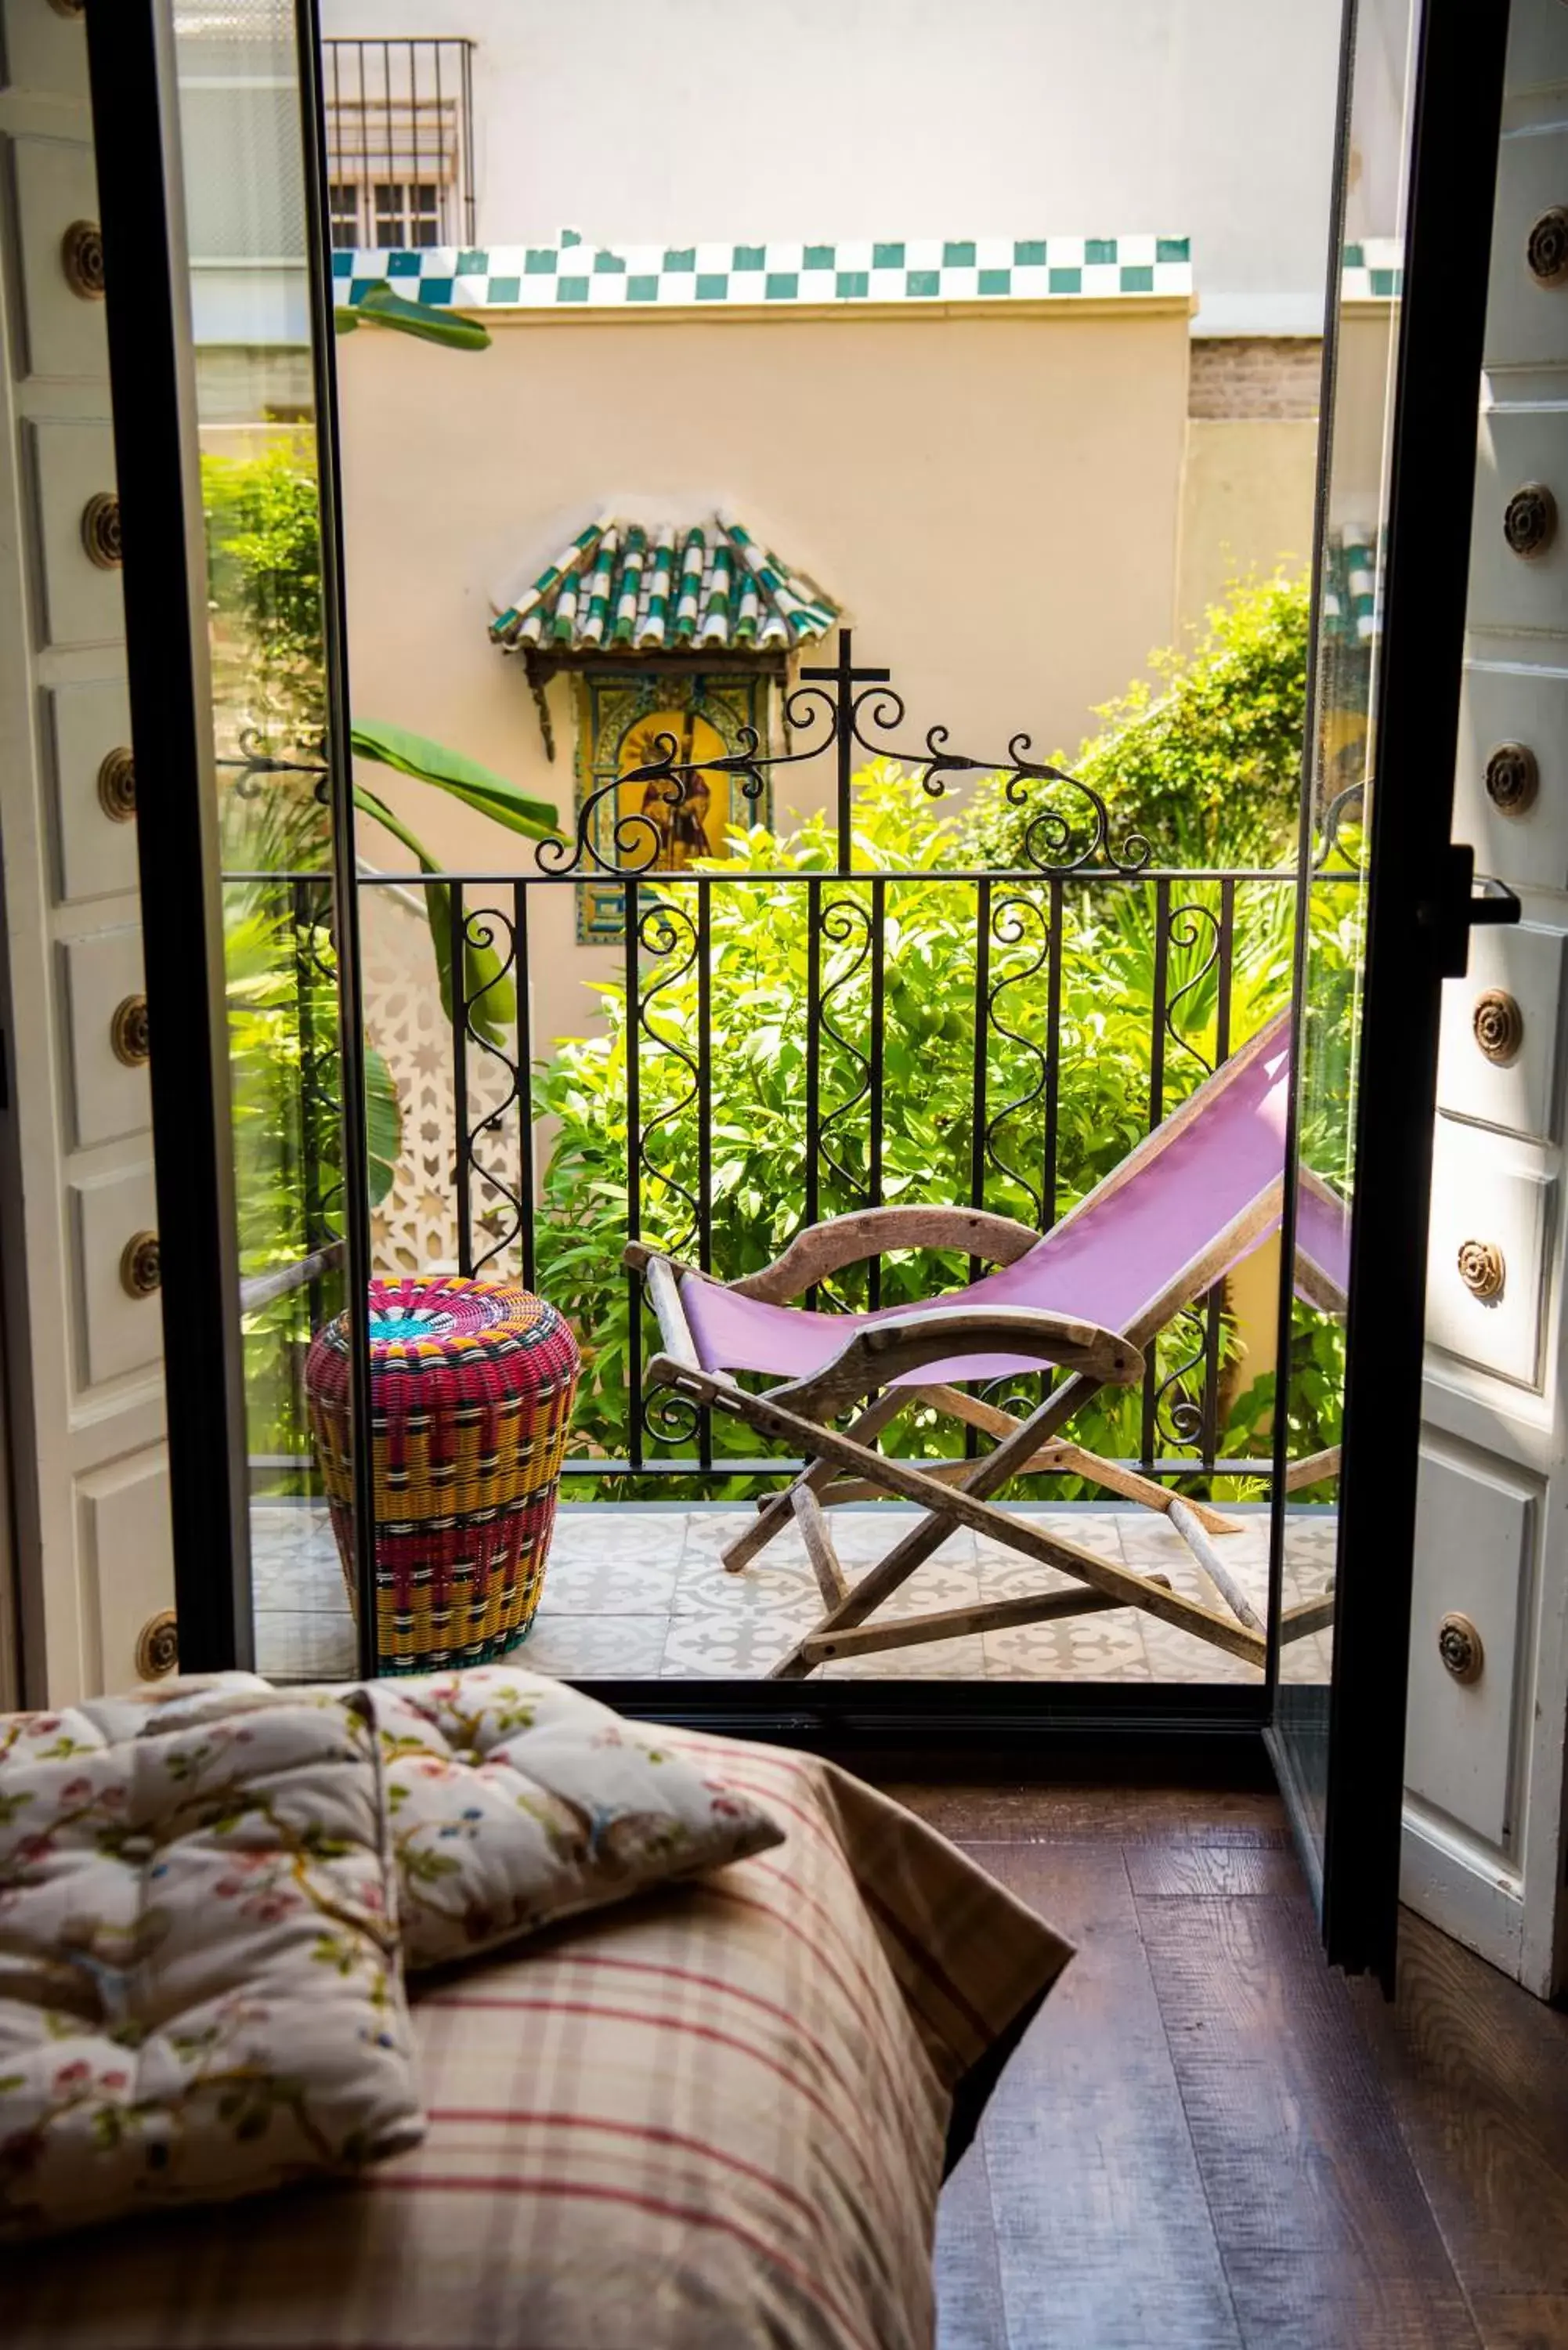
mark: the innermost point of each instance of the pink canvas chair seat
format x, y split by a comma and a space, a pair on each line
1107, 1263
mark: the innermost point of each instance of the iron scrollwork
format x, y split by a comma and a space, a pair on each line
666, 931
1021, 923
843, 710
1194, 928
1178, 1414
488, 930
846, 924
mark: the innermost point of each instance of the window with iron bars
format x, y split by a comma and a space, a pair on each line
399, 141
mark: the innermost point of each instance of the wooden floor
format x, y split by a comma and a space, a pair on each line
1207, 2141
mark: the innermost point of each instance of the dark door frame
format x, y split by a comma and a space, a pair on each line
1419, 909
151, 357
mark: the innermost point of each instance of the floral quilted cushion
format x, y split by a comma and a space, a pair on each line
515, 1800
200, 1993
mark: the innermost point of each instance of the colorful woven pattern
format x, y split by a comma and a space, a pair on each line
473, 1384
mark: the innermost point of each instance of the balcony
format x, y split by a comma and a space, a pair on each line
889, 1004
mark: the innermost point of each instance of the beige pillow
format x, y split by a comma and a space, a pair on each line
515, 1800
200, 1993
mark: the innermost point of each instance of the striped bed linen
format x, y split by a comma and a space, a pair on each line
712, 2118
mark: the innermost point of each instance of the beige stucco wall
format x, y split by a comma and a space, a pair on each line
1250, 483
1247, 501
1362, 396
997, 502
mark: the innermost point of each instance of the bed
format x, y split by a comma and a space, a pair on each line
715, 2118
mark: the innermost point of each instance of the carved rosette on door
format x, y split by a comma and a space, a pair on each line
116, 785
1546, 247
127, 1033
141, 1269
1498, 1025
1482, 1270
1529, 520
81, 259
101, 531
158, 1646
1512, 778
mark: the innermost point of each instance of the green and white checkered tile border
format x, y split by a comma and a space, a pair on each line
668, 277
1374, 270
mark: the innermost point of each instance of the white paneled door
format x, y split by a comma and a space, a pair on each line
1484, 1840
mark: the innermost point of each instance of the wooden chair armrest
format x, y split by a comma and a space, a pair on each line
826, 1248
883, 1351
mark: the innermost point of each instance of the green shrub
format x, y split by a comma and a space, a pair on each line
1204, 763
263, 573
759, 962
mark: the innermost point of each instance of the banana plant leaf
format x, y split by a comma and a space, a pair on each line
381, 307
478, 788
488, 993
383, 1126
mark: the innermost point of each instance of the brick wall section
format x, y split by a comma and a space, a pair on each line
1269, 376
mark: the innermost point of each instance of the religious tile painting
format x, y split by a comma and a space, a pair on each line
627, 721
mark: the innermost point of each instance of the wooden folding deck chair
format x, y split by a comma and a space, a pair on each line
1197, 1196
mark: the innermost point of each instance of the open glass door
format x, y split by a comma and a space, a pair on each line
220, 331
1384, 909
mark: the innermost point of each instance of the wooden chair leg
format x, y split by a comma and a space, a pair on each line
946, 1506
965, 1504
1184, 1518
1311, 1615
1312, 1470
1074, 1460
776, 1515
830, 1576
953, 1623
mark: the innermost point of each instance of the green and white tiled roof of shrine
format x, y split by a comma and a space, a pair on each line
908, 272
675, 587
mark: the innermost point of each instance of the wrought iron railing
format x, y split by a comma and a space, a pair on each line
1205, 934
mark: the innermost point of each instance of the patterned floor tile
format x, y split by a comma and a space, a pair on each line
1310, 1660
1095, 1530
582, 1581
707, 1592
624, 1536
1030, 1652
1176, 1656
940, 1582
1149, 1540
961, 1659
731, 1648
294, 1558
1006, 1575
1107, 1647
864, 1536
298, 1647
708, 1532
639, 1593
594, 1648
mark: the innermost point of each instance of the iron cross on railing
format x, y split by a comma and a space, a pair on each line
844, 676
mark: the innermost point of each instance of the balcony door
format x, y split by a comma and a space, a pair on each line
249, 877
1385, 908
214, 201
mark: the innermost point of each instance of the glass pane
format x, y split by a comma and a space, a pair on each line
240, 124
1335, 835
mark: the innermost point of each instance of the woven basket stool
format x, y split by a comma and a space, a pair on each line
471, 1388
